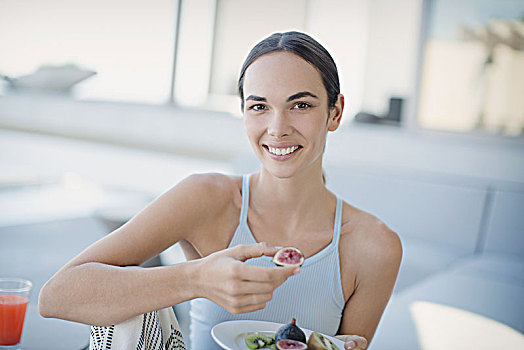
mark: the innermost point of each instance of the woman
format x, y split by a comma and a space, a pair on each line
290, 98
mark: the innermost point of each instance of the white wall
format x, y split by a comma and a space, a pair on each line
342, 27
391, 59
374, 44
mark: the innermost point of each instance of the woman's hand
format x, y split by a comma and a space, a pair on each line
353, 342
224, 278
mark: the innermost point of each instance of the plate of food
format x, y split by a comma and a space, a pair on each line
246, 335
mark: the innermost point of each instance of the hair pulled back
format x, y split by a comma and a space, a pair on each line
301, 45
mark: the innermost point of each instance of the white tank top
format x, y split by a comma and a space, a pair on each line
314, 297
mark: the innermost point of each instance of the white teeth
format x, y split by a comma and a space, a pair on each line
282, 151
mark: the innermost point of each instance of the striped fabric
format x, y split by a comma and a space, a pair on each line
157, 330
314, 297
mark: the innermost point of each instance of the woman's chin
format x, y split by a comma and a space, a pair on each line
280, 172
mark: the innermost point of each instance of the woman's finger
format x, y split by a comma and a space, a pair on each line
246, 288
248, 308
243, 252
275, 274
244, 303
253, 299
353, 342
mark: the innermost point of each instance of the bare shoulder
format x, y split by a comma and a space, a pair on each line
370, 256
194, 203
208, 188
367, 238
211, 181
210, 205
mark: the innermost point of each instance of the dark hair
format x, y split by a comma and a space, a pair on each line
301, 45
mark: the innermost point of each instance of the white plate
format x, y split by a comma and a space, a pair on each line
230, 334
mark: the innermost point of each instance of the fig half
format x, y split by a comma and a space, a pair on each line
317, 341
286, 344
288, 256
290, 331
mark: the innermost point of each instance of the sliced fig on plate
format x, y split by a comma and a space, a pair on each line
317, 341
290, 331
288, 256
286, 344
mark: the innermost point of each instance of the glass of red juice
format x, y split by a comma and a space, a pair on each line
14, 296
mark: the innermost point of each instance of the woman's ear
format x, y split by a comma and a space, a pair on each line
335, 113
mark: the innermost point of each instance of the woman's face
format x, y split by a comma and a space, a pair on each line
286, 113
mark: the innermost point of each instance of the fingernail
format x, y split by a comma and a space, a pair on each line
278, 247
350, 345
296, 271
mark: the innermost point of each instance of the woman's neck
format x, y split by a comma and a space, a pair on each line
291, 201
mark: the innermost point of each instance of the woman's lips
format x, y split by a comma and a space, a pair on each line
282, 153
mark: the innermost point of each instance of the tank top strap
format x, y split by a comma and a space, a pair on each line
245, 199
338, 221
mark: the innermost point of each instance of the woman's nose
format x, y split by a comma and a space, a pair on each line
279, 125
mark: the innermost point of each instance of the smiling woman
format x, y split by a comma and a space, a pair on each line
279, 118
230, 226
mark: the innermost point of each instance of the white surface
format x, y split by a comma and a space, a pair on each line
444, 327
230, 335
104, 164
414, 207
505, 233
500, 300
507, 268
64, 201
45, 178
421, 259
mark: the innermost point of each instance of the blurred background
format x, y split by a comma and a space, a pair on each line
106, 104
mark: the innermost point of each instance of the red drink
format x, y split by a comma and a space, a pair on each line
12, 314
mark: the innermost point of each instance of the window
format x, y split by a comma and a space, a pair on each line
129, 44
239, 26
209, 59
473, 66
463, 84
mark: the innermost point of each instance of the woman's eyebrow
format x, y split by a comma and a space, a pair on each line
290, 98
256, 98
300, 95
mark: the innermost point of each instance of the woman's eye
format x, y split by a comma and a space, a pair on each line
301, 105
257, 107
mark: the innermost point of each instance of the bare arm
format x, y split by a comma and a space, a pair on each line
97, 288
377, 255
103, 295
